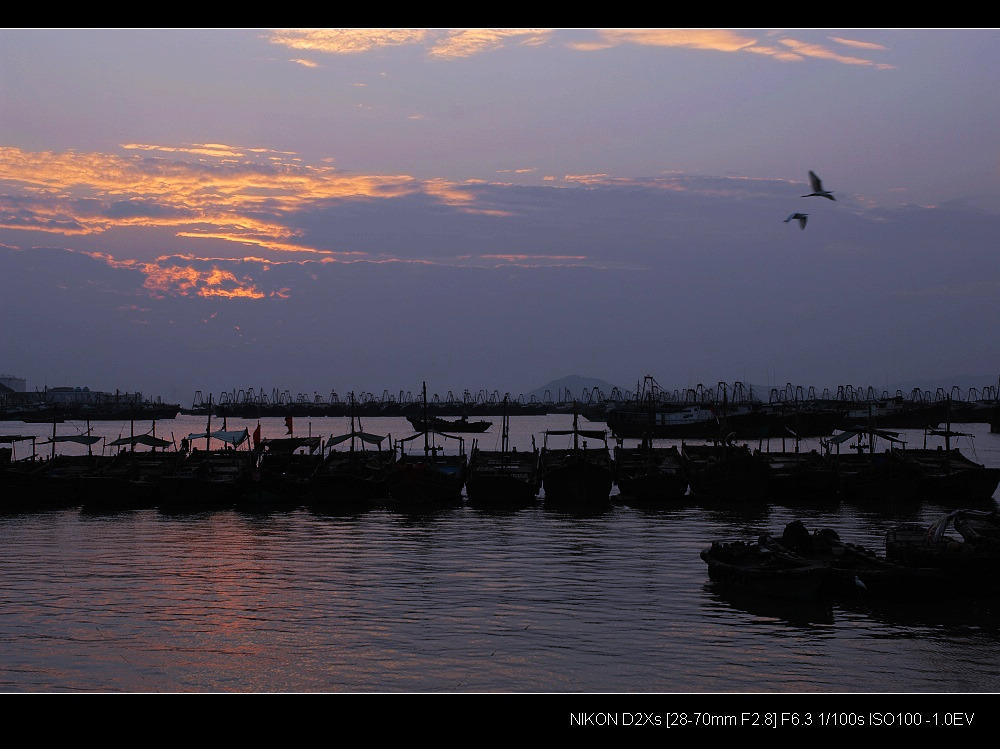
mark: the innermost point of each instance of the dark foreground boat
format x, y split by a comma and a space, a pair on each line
579, 475
855, 572
964, 544
764, 571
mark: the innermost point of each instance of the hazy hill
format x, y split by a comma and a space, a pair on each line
570, 387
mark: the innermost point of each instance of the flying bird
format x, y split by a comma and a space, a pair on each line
817, 185
800, 217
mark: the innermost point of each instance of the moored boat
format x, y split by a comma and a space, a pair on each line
209, 477
855, 571
873, 477
726, 471
964, 544
354, 474
436, 424
764, 571
433, 477
505, 477
281, 471
800, 477
950, 478
130, 479
578, 475
649, 473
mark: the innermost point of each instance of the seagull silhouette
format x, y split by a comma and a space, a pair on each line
817, 186
800, 217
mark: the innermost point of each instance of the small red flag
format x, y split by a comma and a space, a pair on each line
256, 436
288, 424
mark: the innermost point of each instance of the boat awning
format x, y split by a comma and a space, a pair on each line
372, 439
431, 431
946, 433
80, 439
141, 439
838, 439
14, 438
234, 438
288, 445
593, 434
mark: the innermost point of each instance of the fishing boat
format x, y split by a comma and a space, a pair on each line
800, 477
209, 477
437, 424
282, 469
579, 475
432, 476
504, 477
947, 476
131, 478
856, 571
649, 473
764, 571
727, 471
354, 474
870, 476
964, 544
52, 482
652, 415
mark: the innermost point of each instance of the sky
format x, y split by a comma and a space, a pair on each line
325, 211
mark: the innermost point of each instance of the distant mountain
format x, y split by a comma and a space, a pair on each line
571, 387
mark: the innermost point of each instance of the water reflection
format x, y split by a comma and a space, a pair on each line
777, 610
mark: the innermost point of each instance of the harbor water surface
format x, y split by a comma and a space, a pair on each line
528, 600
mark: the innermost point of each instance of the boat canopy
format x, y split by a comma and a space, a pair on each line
372, 439
839, 439
593, 434
288, 445
14, 438
80, 439
946, 433
140, 439
431, 431
234, 438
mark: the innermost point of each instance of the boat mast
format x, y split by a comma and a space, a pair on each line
353, 410
427, 446
505, 429
208, 429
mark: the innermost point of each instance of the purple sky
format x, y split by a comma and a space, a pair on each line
367, 209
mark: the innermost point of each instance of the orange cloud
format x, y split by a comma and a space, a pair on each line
346, 41
440, 43
447, 44
818, 51
728, 40
468, 42
225, 194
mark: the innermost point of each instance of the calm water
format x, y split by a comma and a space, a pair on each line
461, 600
